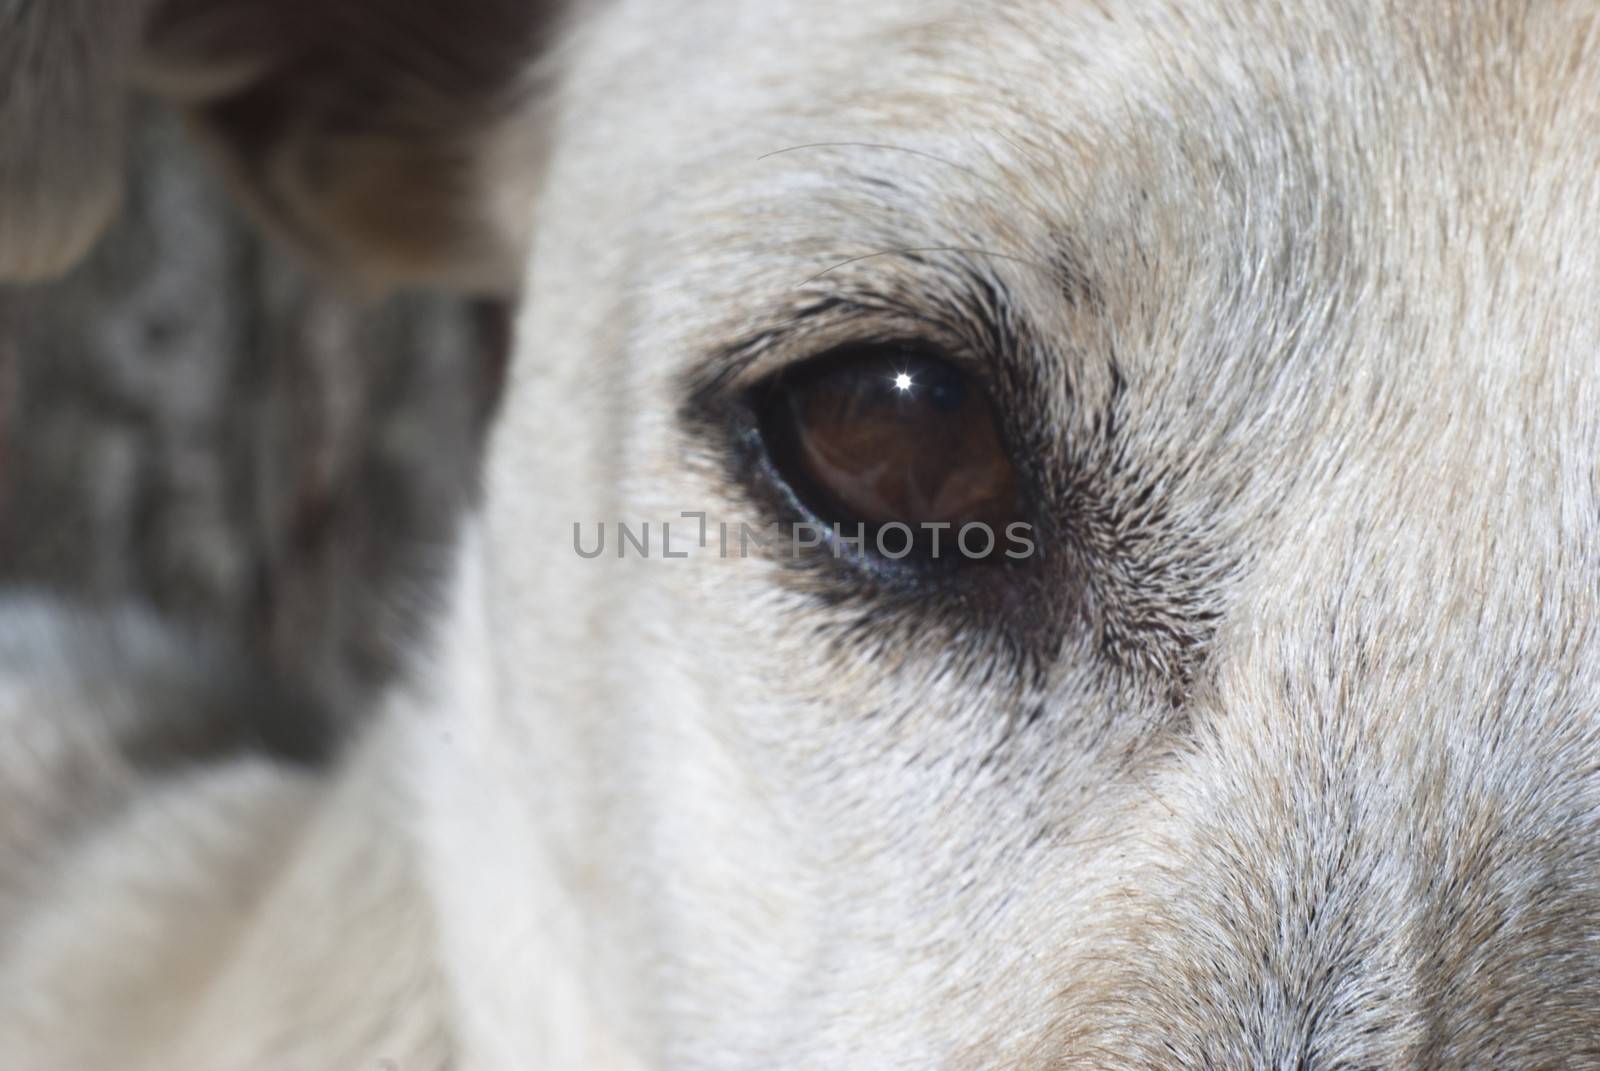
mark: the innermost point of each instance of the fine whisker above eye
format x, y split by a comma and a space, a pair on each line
913, 251
883, 147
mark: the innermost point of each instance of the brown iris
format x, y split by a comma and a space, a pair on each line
876, 435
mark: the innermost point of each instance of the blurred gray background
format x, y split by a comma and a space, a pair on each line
192, 420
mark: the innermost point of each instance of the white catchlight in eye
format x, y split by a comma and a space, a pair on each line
902, 382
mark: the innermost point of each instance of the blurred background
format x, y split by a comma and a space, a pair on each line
192, 420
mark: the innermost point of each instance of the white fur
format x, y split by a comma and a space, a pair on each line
648, 814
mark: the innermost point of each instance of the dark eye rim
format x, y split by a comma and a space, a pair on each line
790, 497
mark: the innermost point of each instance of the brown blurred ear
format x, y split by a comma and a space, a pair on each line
386, 139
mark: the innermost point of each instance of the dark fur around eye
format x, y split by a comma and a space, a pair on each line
1112, 569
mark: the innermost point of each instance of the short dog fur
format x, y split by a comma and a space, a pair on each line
1283, 753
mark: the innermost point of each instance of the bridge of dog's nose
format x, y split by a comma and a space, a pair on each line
1353, 869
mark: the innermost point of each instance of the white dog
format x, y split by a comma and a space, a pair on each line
1263, 337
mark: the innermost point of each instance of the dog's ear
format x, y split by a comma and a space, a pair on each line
372, 133
375, 135
64, 69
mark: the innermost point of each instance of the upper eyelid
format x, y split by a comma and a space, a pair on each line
814, 328
962, 322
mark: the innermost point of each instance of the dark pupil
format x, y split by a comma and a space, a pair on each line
888, 434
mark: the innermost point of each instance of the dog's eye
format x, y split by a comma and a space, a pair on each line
880, 435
